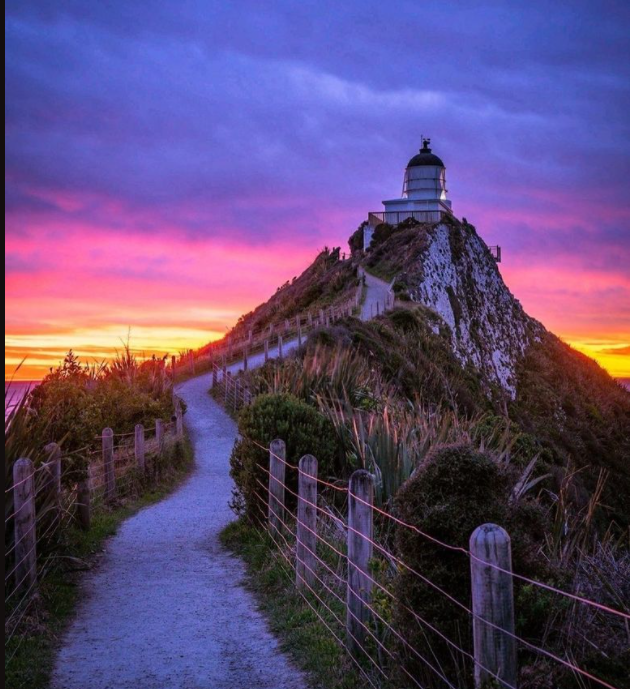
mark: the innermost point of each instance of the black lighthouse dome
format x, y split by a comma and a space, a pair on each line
425, 157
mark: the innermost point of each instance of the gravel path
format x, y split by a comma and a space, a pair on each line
166, 606
378, 292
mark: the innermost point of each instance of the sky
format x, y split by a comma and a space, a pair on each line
169, 164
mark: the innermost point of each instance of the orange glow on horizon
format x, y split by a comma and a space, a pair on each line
173, 293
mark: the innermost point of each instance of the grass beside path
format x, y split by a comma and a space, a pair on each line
30, 654
302, 635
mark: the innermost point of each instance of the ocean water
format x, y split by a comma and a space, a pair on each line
15, 391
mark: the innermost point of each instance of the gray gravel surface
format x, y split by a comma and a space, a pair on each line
166, 606
378, 291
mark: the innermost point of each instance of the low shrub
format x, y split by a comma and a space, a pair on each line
456, 490
303, 429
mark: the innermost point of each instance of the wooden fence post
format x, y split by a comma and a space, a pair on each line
266, 351
359, 591
306, 562
179, 421
279, 346
493, 606
24, 524
277, 458
53, 477
245, 359
83, 504
139, 447
159, 435
299, 335
108, 464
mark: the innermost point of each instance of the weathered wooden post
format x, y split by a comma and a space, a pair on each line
52, 477
306, 560
266, 345
245, 359
179, 420
359, 591
378, 308
108, 464
277, 458
83, 504
287, 325
24, 524
139, 450
299, 335
493, 606
310, 319
159, 435
279, 346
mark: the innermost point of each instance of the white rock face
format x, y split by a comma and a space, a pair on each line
462, 284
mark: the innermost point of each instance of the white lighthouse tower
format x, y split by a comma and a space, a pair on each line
424, 196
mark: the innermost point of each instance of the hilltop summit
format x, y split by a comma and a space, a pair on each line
449, 269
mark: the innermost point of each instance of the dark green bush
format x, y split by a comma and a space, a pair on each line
303, 429
455, 491
355, 242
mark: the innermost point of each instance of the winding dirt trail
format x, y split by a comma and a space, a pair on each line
167, 607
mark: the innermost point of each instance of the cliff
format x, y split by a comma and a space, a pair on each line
449, 269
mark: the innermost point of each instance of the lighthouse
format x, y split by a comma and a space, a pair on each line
424, 194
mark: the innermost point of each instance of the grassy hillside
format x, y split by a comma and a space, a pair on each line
466, 411
327, 281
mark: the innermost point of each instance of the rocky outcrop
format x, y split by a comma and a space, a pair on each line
456, 276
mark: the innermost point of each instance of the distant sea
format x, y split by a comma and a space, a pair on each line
15, 391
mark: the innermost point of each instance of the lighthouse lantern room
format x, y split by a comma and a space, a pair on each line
424, 195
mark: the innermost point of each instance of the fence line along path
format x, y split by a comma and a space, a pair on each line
166, 606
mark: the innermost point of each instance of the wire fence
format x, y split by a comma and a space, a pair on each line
346, 569
272, 337
66, 490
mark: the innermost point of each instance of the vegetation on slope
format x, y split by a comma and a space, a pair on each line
402, 406
327, 281
446, 471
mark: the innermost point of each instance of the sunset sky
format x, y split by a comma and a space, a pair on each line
169, 164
